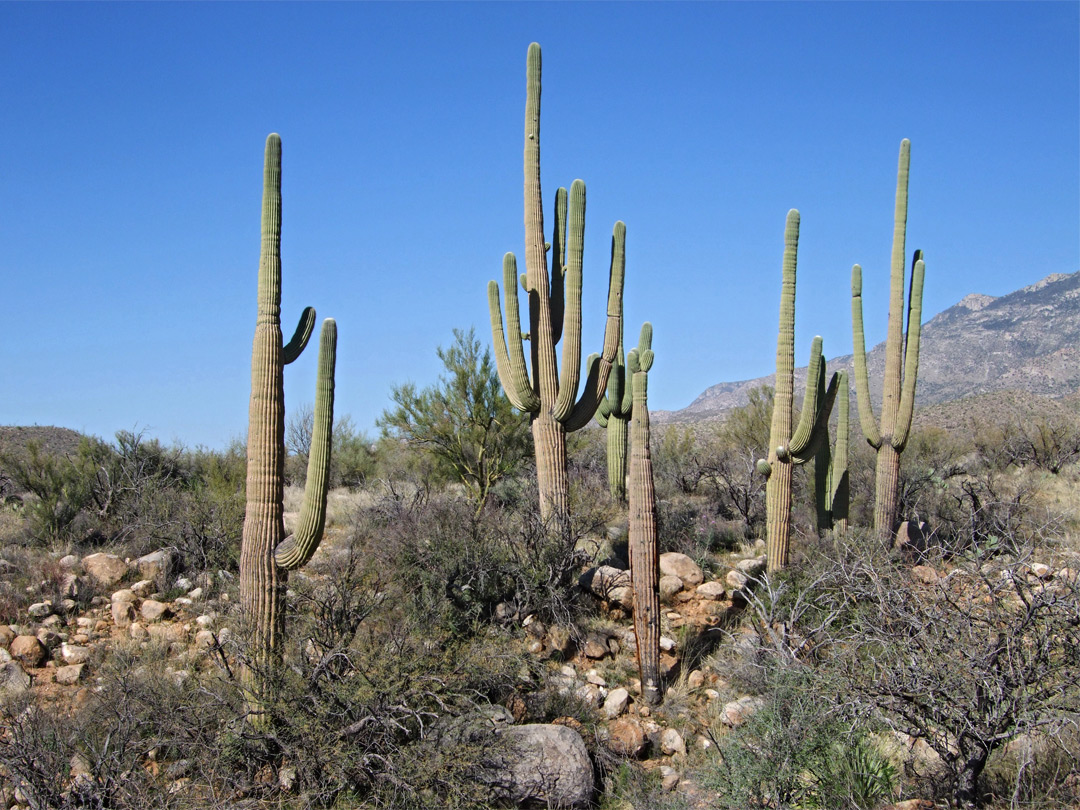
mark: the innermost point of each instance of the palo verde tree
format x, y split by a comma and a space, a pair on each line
550, 394
266, 554
901, 361
787, 449
464, 420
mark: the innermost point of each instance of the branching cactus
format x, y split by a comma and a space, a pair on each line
614, 414
550, 395
644, 538
901, 361
787, 449
831, 485
266, 554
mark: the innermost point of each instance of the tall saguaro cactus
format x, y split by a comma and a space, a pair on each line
831, 485
614, 414
550, 395
266, 554
901, 361
787, 449
644, 537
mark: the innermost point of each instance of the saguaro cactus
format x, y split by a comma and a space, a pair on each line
901, 361
266, 554
786, 448
644, 540
549, 395
831, 485
614, 414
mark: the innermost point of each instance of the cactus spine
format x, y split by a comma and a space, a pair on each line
266, 554
614, 414
785, 448
644, 539
548, 395
832, 489
901, 361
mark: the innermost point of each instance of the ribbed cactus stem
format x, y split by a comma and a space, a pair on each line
262, 580
614, 414
785, 447
901, 360
539, 389
644, 537
831, 465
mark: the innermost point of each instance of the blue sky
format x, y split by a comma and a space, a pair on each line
131, 151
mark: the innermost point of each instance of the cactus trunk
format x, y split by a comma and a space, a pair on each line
644, 538
549, 443
617, 436
262, 578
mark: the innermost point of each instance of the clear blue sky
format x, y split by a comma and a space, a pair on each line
131, 144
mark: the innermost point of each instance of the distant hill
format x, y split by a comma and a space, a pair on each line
1028, 340
53, 440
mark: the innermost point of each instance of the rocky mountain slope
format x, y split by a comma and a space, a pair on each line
1028, 340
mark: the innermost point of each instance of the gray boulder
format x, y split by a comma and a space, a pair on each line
545, 765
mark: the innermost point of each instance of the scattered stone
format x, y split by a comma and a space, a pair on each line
154, 611
595, 647
625, 737
74, 654
50, 638
696, 679
712, 694
559, 640
603, 579
925, 574
681, 566
616, 702
204, 639
205, 621
29, 651
69, 561
138, 632
157, 565
183, 601
166, 632
71, 674
752, 566
195, 594
142, 588
737, 712
711, 590
595, 678
671, 743
184, 584
669, 586
667, 644
736, 580
106, 569
669, 778
40, 610
7, 635
536, 646
123, 613
1041, 570
73, 586
13, 679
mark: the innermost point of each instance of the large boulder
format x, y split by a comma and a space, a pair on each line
29, 651
545, 765
157, 565
105, 569
679, 565
12, 679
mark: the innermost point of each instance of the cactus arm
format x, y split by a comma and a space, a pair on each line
299, 548
570, 374
862, 380
596, 383
808, 418
822, 467
820, 430
510, 362
299, 340
839, 485
911, 359
558, 270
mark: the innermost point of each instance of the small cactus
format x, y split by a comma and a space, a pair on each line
644, 538
786, 448
901, 361
266, 554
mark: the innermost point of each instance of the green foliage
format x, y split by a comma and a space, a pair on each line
464, 421
353, 460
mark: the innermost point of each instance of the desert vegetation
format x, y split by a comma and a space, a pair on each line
497, 603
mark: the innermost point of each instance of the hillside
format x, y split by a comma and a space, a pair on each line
1026, 340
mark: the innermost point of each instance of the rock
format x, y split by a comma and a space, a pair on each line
911, 804
142, 589
29, 651
602, 579
204, 639
616, 702
53, 622
541, 764
154, 611
737, 712
138, 632
911, 537
712, 590
184, 584
753, 567
1041, 570
74, 654
73, 586
559, 640
195, 594
625, 737
7, 635
596, 647
667, 644
206, 621
669, 586
40, 610
924, 574
595, 678
681, 566
736, 580
49, 638
123, 613
68, 561
166, 632
71, 674
13, 679
157, 565
105, 569
696, 679
671, 743
669, 778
